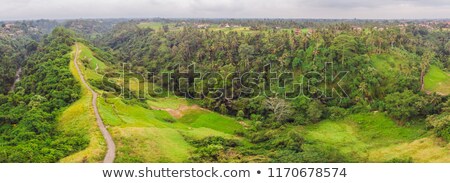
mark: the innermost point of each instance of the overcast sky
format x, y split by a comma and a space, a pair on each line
68, 9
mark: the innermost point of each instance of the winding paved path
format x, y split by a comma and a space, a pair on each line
111, 151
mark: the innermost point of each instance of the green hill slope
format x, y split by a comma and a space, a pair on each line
142, 131
373, 137
437, 80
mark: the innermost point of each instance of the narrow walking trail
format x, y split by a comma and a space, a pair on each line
111, 151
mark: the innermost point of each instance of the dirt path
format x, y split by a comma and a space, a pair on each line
111, 151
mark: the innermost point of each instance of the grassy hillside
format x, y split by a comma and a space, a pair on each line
373, 137
142, 131
437, 80
387, 63
92, 66
198, 118
146, 135
79, 118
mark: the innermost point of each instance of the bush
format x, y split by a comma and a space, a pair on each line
300, 119
293, 141
314, 111
322, 153
335, 113
440, 124
240, 115
214, 149
402, 106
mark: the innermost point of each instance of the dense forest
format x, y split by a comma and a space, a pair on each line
387, 66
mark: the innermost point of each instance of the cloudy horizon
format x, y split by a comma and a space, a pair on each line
329, 9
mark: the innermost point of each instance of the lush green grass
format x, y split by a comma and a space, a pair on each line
88, 55
427, 149
388, 63
437, 80
337, 134
374, 137
378, 130
150, 145
144, 135
130, 115
167, 102
391, 65
155, 131
90, 63
202, 132
79, 118
200, 118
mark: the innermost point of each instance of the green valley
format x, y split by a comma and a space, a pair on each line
225, 90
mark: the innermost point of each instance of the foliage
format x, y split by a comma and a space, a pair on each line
214, 149
47, 87
386, 68
440, 124
407, 105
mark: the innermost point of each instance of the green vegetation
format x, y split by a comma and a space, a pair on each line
385, 75
90, 61
13, 52
167, 103
391, 106
360, 134
28, 128
150, 144
437, 80
80, 118
199, 118
440, 123
158, 26
143, 134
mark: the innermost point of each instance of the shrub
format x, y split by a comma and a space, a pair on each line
440, 124
335, 113
240, 115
